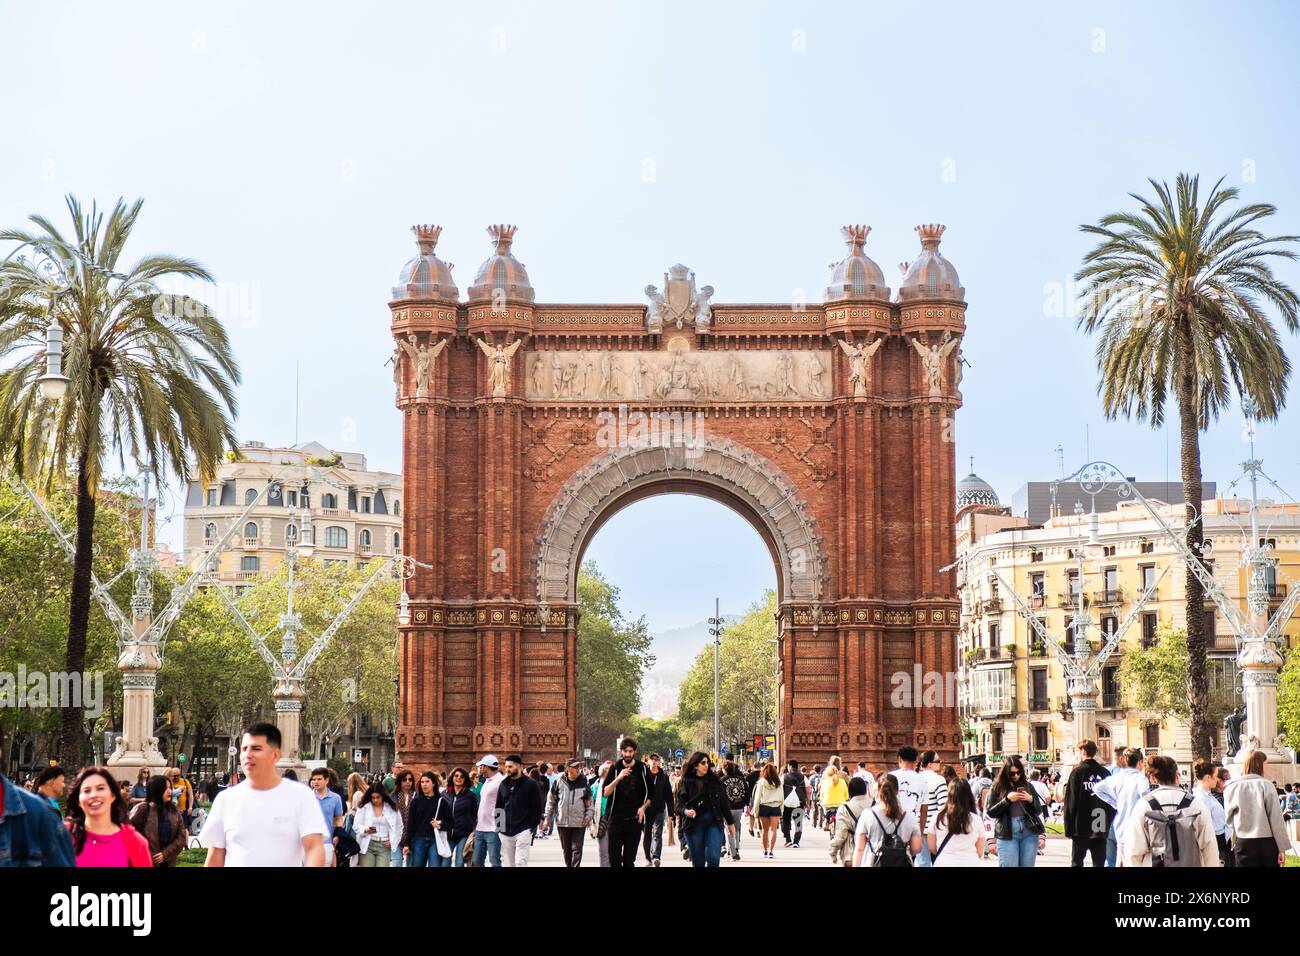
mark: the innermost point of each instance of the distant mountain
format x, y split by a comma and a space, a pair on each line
675, 651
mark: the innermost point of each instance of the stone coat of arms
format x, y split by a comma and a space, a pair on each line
680, 303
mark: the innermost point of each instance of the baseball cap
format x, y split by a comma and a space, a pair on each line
488, 761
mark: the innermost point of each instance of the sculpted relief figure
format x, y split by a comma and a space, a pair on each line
421, 357
932, 360
654, 315
703, 310
815, 372
499, 357
860, 364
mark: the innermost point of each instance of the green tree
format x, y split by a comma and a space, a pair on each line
152, 377
657, 736
1155, 678
1288, 699
613, 656
746, 680
1175, 291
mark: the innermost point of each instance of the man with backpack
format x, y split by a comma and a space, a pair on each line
1169, 828
792, 813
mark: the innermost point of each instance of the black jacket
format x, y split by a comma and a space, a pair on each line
1081, 817
793, 780
458, 813
661, 794
703, 796
638, 778
419, 818
1001, 811
519, 805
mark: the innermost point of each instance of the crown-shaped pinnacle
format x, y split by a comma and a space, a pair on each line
503, 235
930, 234
855, 236
426, 237
903, 267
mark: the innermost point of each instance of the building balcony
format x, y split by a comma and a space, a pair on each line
247, 575
1276, 593
1069, 600
1039, 704
250, 544
1112, 700
363, 549
1038, 601
327, 512
1003, 652
1109, 596
991, 605
1038, 649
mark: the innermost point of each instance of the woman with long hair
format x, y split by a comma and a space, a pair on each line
98, 822
378, 827
403, 793
159, 821
958, 835
846, 820
704, 809
458, 815
769, 796
357, 788
1019, 813
1254, 816
418, 843
887, 823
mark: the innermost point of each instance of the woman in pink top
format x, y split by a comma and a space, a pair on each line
97, 817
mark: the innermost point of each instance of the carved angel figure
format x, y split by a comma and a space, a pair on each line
703, 311
932, 359
499, 357
422, 357
859, 367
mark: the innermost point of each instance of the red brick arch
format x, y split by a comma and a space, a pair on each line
846, 468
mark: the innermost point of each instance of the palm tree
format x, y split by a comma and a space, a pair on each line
1176, 291
151, 375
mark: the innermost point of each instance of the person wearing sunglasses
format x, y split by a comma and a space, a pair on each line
1019, 813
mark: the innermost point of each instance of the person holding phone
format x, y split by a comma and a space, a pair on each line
1019, 812
378, 827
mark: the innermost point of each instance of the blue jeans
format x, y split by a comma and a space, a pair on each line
705, 840
923, 858
487, 846
399, 858
1112, 847
422, 848
1022, 849
457, 857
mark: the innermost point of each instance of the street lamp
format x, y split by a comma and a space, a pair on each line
49, 271
715, 629
54, 384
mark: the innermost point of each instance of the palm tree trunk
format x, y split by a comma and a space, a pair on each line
1190, 455
72, 737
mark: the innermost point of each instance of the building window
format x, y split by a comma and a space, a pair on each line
250, 530
1038, 587
250, 496
212, 497
329, 501
994, 691
1035, 556
397, 508
1040, 738
1150, 620
293, 499
291, 534
397, 542
365, 504
1108, 551
364, 539
1072, 579
1148, 547
209, 533
1109, 625
995, 737
336, 537
1210, 636
994, 636
249, 562
1110, 688
1038, 689
1151, 737
1148, 577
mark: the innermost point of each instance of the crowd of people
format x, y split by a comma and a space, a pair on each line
923, 813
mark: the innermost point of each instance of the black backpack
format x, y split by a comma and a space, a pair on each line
735, 787
892, 851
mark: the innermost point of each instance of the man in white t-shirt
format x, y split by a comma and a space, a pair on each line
266, 820
911, 789
487, 838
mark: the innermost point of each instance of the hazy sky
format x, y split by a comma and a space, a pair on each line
289, 147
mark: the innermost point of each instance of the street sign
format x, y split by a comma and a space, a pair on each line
679, 753
356, 756
180, 758
765, 753
232, 750
724, 747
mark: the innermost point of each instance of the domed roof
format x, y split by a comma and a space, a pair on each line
930, 275
974, 490
502, 270
855, 276
426, 276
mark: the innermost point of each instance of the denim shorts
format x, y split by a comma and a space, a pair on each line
769, 811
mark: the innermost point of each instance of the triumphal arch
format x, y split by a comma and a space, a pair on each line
527, 425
